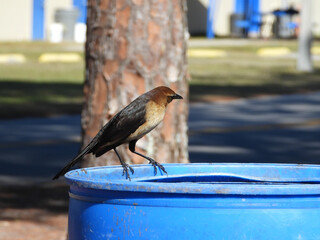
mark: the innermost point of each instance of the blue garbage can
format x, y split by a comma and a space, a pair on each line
196, 201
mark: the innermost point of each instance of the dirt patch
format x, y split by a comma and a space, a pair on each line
37, 211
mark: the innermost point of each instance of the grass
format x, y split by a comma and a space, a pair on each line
242, 73
40, 89
43, 89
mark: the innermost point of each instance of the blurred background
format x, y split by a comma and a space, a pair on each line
254, 85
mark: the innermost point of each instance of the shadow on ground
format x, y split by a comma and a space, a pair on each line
36, 211
296, 145
24, 98
283, 129
206, 87
51, 197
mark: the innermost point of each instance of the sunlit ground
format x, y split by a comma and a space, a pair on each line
218, 71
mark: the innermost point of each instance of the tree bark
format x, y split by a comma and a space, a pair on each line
133, 46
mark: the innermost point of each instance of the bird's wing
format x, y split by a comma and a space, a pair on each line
115, 132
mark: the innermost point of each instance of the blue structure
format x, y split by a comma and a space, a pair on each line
196, 201
249, 9
38, 16
246, 10
38, 20
254, 16
81, 5
210, 19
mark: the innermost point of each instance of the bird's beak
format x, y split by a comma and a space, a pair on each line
177, 96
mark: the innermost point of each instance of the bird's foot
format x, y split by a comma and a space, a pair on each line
155, 165
126, 169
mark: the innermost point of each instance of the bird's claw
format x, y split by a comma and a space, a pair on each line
125, 171
155, 165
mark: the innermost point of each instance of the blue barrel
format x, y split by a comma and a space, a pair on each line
196, 201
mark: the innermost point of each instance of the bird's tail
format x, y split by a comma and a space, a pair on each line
73, 162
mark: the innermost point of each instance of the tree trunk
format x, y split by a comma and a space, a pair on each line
133, 46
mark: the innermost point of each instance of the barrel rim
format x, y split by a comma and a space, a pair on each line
76, 179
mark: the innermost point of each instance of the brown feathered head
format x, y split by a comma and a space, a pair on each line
164, 95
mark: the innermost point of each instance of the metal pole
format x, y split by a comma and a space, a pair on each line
304, 61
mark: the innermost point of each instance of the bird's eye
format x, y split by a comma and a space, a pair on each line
169, 99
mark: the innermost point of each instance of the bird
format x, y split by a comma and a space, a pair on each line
129, 125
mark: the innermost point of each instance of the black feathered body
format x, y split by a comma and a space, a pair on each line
120, 127
130, 124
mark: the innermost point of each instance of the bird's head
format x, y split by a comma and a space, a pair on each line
164, 95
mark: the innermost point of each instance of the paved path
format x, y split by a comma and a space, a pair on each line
34, 148
271, 129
